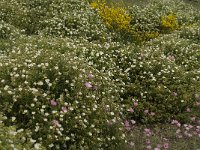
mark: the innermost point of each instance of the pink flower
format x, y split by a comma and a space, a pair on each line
198, 127
148, 147
156, 148
152, 114
178, 124
188, 110
190, 126
135, 104
90, 76
53, 102
175, 94
131, 110
147, 132
127, 125
197, 104
64, 109
171, 58
165, 145
146, 111
88, 85
56, 123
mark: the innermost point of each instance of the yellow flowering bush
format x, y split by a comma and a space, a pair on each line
114, 16
169, 22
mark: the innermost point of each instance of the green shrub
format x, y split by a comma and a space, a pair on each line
162, 89
62, 101
151, 74
54, 18
191, 32
186, 52
7, 31
10, 138
15, 14
160, 17
7, 35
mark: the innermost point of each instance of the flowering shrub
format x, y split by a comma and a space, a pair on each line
10, 138
71, 80
64, 103
7, 30
154, 18
191, 32
169, 22
114, 16
55, 18
151, 74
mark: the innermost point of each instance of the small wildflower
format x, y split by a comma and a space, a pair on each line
88, 85
131, 110
53, 102
152, 114
56, 123
64, 109
135, 104
166, 146
175, 94
131, 144
127, 125
188, 110
133, 121
148, 147
146, 111
90, 76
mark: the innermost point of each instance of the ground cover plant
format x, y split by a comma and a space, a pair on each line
98, 75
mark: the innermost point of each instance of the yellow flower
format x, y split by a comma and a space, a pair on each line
114, 17
169, 22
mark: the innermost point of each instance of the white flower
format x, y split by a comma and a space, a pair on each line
40, 83
67, 138
112, 113
51, 145
37, 146
6, 87
13, 118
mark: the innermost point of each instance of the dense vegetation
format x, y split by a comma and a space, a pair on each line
79, 74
